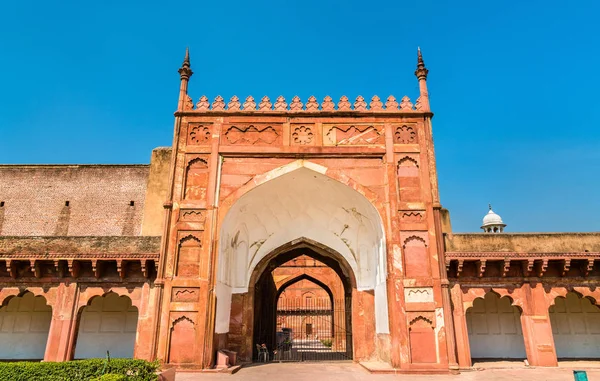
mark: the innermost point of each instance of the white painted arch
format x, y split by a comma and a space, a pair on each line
24, 327
299, 201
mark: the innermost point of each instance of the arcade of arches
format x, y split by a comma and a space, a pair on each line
314, 228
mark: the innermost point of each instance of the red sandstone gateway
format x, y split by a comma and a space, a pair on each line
285, 230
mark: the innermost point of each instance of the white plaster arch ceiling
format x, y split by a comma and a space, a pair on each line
300, 201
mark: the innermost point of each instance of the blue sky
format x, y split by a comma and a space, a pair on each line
513, 84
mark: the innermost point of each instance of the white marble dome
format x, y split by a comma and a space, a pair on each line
492, 223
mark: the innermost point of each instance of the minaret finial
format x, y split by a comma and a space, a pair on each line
421, 71
186, 71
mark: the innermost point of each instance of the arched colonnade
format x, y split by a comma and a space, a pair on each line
66, 322
533, 322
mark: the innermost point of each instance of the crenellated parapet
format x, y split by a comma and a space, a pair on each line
311, 105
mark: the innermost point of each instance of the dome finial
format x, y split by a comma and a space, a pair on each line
490, 206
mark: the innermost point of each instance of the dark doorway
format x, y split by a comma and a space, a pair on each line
302, 309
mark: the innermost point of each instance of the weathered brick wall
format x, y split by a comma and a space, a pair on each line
33, 200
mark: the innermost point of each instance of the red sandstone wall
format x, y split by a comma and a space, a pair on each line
99, 198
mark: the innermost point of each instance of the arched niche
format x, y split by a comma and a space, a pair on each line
106, 323
182, 341
575, 324
494, 328
25, 323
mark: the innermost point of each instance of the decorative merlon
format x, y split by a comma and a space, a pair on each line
296, 105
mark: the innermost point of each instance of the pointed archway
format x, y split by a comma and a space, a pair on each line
299, 205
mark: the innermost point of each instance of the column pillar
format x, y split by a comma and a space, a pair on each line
537, 331
144, 339
63, 324
460, 328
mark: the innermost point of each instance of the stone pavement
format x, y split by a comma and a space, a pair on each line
354, 372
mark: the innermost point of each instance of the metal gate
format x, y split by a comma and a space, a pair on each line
312, 330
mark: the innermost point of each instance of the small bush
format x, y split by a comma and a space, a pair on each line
84, 370
326, 342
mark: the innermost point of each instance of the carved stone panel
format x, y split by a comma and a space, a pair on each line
257, 134
351, 134
405, 134
303, 134
199, 134
196, 177
193, 215
185, 294
412, 216
418, 294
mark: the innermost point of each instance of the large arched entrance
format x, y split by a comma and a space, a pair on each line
298, 211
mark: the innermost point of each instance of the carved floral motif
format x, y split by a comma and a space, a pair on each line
303, 135
405, 135
199, 134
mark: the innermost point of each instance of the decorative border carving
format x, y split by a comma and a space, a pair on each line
412, 216
351, 134
253, 134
